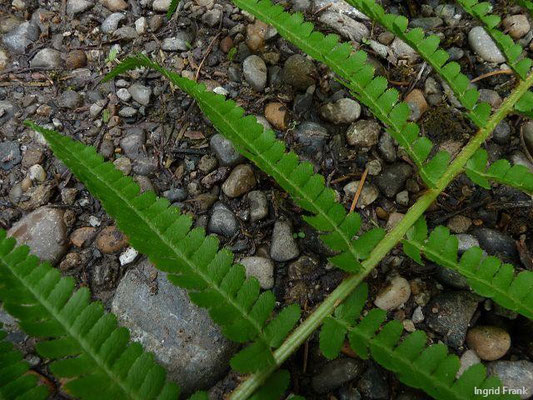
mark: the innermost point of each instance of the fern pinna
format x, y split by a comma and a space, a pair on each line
83, 343
429, 368
191, 259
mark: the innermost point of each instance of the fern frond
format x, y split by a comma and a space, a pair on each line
487, 276
512, 51
358, 76
429, 50
501, 171
525, 104
82, 341
297, 178
15, 382
274, 387
429, 368
191, 259
172, 8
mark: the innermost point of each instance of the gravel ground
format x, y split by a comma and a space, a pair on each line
53, 55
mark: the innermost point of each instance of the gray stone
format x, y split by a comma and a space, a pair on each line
393, 178
449, 314
47, 58
301, 5
527, 137
373, 383
343, 111
502, 133
123, 94
484, 46
517, 25
175, 194
451, 278
284, 246
403, 51
258, 205
20, 38
496, 243
254, 71
364, 133
344, 25
335, 373
69, 99
261, 268
181, 335
368, 195
182, 41
78, 6
514, 375
466, 241
312, 137
126, 33
299, 72
140, 93
224, 151
426, 23
44, 231
386, 147
127, 112
222, 221
161, 5
9, 155
340, 7
132, 143
212, 17
110, 24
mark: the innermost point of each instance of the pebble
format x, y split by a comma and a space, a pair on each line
516, 25
123, 164
47, 58
393, 178
312, 136
128, 256
111, 240
283, 246
373, 384
459, 224
212, 17
124, 94
182, 336
299, 72
466, 241
517, 375
277, 115
368, 195
20, 38
364, 133
449, 314
181, 42
484, 46
527, 138
76, 59
110, 24
258, 205
335, 373
502, 133
9, 155
402, 198
386, 147
468, 359
489, 342
344, 25
115, 5
37, 173
83, 236
141, 25
302, 268
4, 60
394, 295
127, 112
496, 243
240, 181
226, 154
132, 143
140, 93
343, 111
161, 5
417, 104
44, 232
261, 268
222, 221
451, 278
426, 23
69, 99
403, 51
175, 194
78, 6
255, 72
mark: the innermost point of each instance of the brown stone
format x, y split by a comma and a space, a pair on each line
489, 342
115, 5
255, 35
240, 181
76, 59
111, 240
81, 237
417, 103
278, 115
226, 44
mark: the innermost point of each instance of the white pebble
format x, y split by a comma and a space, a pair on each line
37, 173
128, 256
394, 295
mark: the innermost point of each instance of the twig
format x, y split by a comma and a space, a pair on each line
489, 74
359, 190
324, 8
209, 48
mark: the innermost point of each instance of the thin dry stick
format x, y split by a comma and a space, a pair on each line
209, 48
359, 190
489, 74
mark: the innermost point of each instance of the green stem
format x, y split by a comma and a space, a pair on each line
306, 328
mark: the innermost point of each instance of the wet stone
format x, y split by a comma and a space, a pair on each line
224, 151
9, 155
335, 373
222, 221
393, 178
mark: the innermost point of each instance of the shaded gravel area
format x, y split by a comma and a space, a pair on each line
53, 55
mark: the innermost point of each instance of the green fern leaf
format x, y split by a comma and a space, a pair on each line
428, 48
15, 383
525, 104
82, 341
261, 146
512, 51
487, 276
429, 368
527, 4
190, 259
356, 74
172, 8
274, 387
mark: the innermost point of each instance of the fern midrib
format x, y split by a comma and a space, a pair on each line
452, 265
451, 394
243, 313
56, 314
502, 180
372, 104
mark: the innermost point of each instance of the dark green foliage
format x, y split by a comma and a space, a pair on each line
191, 259
82, 342
15, 382
487, 276
430, 368
274, 387
172, 8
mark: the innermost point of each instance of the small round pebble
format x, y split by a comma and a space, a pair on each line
394, 295
489, 342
